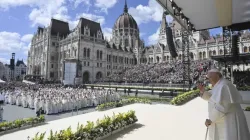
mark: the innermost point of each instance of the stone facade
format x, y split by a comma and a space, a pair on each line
96, 57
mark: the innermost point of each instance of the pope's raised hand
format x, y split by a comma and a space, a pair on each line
201, 88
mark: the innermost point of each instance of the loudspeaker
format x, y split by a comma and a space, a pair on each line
235, 48
170, 41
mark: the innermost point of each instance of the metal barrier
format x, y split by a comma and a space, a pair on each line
143, 84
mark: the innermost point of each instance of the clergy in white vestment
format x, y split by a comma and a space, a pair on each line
31, 102
227, 120
18, 100
48, 108
24, 101
36, 104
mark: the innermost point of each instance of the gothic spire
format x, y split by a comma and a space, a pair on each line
126, 7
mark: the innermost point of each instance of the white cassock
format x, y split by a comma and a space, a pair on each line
36, 104
64, 104
108, 98
79, 105
228, 119
95, 100
55, 107
18, 100
31, 102
10, 99
59, 105
24, 101
85, 102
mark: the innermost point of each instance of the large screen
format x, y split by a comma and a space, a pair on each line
69, 73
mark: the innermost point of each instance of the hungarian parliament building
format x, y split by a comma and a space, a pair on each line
97, 58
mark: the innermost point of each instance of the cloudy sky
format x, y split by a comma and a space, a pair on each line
19, 19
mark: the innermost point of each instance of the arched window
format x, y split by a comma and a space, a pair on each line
88, 53
214, 52
204, 55
221, 52
75, 53
84, 52
100, 55
158, 59
245, 49
135, 61
191, 56
126, 43
97, 54
210, 53
200, 55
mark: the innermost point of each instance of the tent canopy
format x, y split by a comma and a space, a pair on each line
1, 81
28, 82
207, 14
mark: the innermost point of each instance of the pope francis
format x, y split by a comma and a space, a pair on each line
227, 120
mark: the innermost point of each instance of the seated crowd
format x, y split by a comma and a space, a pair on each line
241, 78
160, 72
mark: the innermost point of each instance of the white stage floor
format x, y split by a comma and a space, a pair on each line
156, 122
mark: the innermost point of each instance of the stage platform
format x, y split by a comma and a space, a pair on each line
159, 122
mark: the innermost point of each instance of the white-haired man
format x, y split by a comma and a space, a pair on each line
227, 120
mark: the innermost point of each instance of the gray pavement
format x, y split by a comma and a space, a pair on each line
12, 112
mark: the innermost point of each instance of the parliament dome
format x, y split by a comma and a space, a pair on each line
125, 20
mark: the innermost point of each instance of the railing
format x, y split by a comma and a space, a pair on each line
144, 84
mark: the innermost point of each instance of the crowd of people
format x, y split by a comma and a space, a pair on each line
55, 99
171, 72
241, 78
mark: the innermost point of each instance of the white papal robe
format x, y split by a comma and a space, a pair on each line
228, 119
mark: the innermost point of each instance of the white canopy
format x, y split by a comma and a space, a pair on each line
207, 14
1, 81
28, 82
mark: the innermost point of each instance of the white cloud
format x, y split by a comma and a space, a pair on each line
45, 11
42, 11
144, 14
96, 18
78, 2
104, 5
27, 38
154, 37
6, 4
107, 33
11, 42
4, 60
